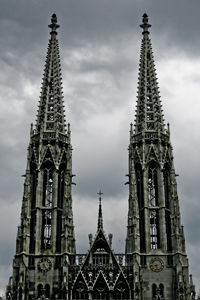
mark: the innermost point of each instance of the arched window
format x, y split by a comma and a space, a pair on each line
161, 289
32, 231
61, 184
80, 291
154, 229
140, 195
166, 177
59, 231
153, 185
46, 229
121, 291
139, 180
168, 230
39, 290
47, 291
48, 188
9, 295
33, 172
154, 291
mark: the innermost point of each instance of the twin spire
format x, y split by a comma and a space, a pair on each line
149, 115
50, 118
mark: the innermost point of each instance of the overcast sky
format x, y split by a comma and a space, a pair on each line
99, 46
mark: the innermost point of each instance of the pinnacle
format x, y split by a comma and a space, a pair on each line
53, 24
145, 24
100, 217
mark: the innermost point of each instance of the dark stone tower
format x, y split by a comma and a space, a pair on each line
155, 243
45, 238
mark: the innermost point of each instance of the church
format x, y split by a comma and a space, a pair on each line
154, 264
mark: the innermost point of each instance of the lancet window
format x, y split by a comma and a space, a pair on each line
154, 229
48, 188
39, 290
158, 292
101, 291
46, 229
61, 181
139, 180
80, 291
154, 291
168, 230
121, 291
32, 231
166, 176
152, 185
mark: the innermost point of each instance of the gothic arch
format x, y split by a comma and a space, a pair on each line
154, 291
161, 289
100, 290
47, 291
140, 196
121, 288
166, 178
80, 289
153, 183
39, 290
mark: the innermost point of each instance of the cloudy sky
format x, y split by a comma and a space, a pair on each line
99, 44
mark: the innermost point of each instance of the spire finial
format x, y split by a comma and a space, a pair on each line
100, 217
145, 24
53, 24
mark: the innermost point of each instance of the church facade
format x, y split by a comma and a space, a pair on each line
154, 264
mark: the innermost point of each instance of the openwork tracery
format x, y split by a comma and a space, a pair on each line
154, 229
153, 185
48, 188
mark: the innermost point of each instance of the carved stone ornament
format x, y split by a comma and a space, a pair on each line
156, 264
44, 265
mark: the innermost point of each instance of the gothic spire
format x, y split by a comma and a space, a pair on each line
50, 118
149, 116
100, 216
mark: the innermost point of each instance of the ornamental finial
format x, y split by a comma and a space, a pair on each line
53, 24
100, 217
145, 24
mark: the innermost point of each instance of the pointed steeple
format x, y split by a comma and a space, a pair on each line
45, 237
149, 116
100, 216
155, 236
50, 118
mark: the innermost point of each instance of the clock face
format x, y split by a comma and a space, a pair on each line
44, 264
156, 264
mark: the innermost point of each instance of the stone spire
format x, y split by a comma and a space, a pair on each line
100, 216
155, 243
149, 116
50, 118
45, 238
